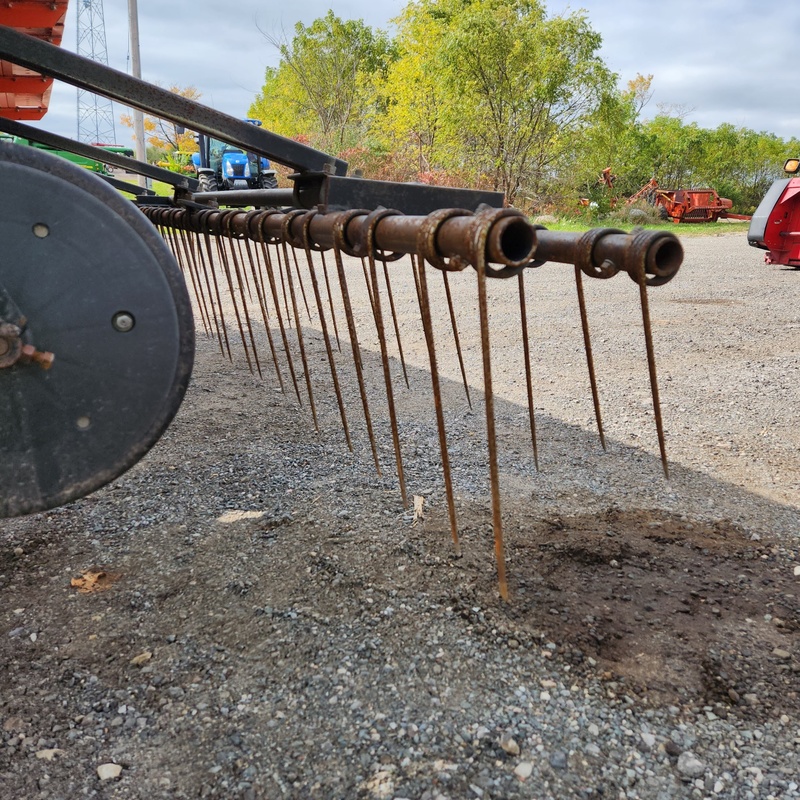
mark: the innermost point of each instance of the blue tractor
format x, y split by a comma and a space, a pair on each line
222, 166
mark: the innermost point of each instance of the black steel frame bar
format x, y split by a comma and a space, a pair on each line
63, 65
127, 186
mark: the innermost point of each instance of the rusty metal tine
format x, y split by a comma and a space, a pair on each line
300, 342
227, 269
526, 350
276, 301
427, 325
245, 310
300, 281
281, 271
351, 327
368, 282
323, 323
457, 338
651, 366
217, 326
238, 241
587, 342
166, 234
387, 377
262, 301
197, 285
212, 269
494, 472
394, 321
330, 299
202, 273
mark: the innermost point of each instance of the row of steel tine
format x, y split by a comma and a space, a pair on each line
241, 269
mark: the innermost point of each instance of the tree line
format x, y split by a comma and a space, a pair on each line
496, 94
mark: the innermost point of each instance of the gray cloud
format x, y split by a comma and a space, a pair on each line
728, 60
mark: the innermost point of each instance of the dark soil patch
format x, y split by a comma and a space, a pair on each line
680, 611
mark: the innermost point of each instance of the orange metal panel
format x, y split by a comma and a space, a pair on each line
23, 84
32, 14
24, 113
24, 94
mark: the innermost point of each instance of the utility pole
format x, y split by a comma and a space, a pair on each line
95, 113
136, 71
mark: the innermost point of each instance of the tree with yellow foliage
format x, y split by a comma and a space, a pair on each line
163, 136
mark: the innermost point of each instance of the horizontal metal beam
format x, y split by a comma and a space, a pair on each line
267, 198
97, 154
25, 112
126, 186
32, 15
94, 77
334, 193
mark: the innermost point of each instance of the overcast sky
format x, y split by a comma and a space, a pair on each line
719, 60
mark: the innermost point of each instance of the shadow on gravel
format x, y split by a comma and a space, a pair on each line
680, 598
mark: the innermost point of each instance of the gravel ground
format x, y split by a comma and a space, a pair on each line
276, 624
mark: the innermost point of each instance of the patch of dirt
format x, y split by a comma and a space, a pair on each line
680, 611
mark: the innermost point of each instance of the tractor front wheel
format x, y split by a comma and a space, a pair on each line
267, 182
207, 183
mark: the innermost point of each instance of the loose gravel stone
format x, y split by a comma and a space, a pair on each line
690, 765
523, 770
108, 772
509, 744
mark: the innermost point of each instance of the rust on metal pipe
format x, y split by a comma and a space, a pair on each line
512, 241
660, 252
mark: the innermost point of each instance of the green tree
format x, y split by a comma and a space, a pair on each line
613, 140
324, 87
742, 164
163, 136
738, 163
411, 126
495, 87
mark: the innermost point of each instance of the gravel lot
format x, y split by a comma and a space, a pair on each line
277, 625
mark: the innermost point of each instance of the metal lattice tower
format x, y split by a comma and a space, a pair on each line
95, 113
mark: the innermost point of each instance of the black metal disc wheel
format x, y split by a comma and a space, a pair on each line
96, 332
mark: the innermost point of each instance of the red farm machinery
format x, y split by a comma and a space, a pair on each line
686, 205
776, 224
25, 93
